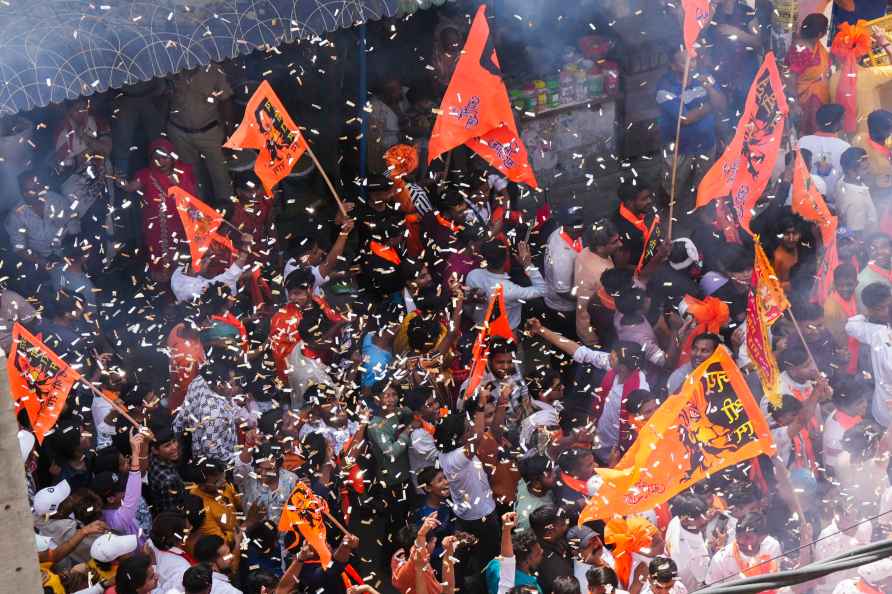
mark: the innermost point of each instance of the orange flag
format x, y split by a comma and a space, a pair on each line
696, 15
713, 422
766, 303
266, 126
771, 295
200, 222
39, 380
743, 170
497, 327
476, 111
810, 205
303, 516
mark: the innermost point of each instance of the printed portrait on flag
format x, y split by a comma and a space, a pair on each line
303, 517
713, 422
267, 127
38, 379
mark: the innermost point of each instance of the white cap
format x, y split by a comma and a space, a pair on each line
693, 256
109, 547
43, 543
876, 572
26, 443
47, 501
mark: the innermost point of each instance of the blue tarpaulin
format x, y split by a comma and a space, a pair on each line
53, 50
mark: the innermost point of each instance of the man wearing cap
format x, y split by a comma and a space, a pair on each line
588, 550
564, 245
106, 552
873, 578
675, 278
120, 501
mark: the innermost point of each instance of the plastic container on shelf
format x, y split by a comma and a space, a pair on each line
554, 92
581, 85
541, 94
595, 84
611, 77
568, 84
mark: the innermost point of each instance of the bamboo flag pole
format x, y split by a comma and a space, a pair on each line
327, 181
672, 192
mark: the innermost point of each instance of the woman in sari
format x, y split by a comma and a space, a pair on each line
809, 61
162, 229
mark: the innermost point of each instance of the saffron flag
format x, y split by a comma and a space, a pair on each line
810, 205
39, 380
743, 170
200, 222
765, 304
713, 422
476, 111
303, 517
769, 291
696, 15
500, 326
266, 126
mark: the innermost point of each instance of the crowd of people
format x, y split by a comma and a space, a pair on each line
337, 354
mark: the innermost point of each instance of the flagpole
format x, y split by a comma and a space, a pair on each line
684, 84
327, 181
801, 336
119, 408
445, 177
337, 524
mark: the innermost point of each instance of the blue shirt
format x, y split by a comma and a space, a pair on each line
374, 362
697, 138
492, 573
864, 9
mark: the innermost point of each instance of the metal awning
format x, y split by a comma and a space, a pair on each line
53, 50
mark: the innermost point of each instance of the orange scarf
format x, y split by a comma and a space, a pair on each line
760, 566
850, 308
447, 223
846, 420
574, 483
886, 274
385, 252
640, 224
710, 313
867, 588
605, 298
575, 244
628, 535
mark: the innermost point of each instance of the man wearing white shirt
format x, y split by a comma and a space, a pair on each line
588, 552
833, 541
187, 286
487, 279
684, 539
564, 245
825, 145
873, 331
751, 547
663, 578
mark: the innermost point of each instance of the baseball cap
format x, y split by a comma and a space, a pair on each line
109, 547
580, 537
26, 444
876, 572
48, 500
